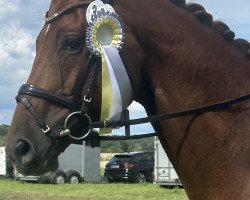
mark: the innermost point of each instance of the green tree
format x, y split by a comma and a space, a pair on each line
111, 147
138, 147
145, 144
3, 132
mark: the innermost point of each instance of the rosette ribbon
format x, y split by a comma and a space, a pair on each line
105, 35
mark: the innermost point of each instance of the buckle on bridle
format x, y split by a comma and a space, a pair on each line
86, 99
46, 130
105, 124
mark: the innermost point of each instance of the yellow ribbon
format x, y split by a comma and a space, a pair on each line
106, 93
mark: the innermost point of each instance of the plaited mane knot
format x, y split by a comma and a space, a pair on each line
222, 29
179, 3
228, 35
200, 12
193, 7
248, 53
242, 45
204, 17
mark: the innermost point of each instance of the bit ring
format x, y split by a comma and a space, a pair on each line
85, 134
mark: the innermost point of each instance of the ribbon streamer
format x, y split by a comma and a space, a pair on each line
105, 36
116, 92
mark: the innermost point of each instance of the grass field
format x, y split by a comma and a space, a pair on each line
12, 190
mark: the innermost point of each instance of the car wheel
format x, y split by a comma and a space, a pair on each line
110, 180
140, 177
60, 178
74, 178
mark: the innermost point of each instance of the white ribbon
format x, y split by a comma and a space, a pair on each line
120, 83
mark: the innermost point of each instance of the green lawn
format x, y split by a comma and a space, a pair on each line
12, 190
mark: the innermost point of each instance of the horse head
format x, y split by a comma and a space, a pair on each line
65, 74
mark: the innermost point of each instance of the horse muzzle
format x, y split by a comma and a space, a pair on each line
30, 160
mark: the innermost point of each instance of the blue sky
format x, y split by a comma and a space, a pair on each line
21, 21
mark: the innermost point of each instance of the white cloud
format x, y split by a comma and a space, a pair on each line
15, 43
136, 107
20, 21
8, 8
16, 55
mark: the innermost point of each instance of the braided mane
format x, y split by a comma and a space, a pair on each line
217, 26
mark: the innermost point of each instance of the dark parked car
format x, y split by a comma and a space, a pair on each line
132, 167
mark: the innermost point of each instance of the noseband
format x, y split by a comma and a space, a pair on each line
79, 109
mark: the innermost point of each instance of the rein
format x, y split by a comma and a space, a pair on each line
79, 109
30, 90
195, 111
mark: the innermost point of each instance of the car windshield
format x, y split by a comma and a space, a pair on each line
121, 158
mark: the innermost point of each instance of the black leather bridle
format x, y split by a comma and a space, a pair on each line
77, 108
80, 108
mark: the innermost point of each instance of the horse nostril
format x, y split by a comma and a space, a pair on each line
22, 148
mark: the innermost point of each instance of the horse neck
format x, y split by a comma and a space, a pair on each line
187, 65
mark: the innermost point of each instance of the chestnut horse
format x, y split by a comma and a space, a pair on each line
177, 58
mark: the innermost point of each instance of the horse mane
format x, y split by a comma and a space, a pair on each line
218, 27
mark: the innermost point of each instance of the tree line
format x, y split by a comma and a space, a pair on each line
3, 132
145, 144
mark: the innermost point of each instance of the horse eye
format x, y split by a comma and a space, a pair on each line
73, 43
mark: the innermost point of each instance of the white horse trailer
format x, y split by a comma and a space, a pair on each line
77, 163
165, 174
3, 170
6, 167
